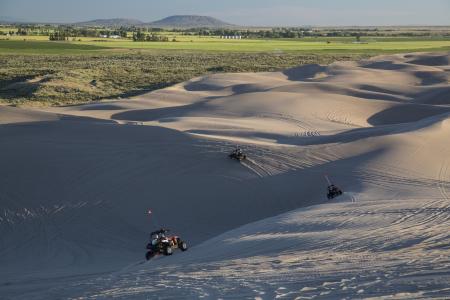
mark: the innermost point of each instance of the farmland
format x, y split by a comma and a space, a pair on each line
41, 45
36, 71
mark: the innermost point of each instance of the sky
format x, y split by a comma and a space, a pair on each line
240, 12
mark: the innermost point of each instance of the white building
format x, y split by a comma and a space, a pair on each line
231, 37
115, 36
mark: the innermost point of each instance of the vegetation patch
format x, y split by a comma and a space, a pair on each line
74, 79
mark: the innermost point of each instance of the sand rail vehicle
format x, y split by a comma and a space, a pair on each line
160, 243
332, 190
238, 154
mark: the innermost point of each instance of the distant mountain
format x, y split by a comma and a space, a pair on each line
182, 21
189, 21
117, 22
9, 20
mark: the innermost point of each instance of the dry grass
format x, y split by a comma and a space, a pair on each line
66, 79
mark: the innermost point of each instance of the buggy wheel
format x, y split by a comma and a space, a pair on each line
183, 246
168, 250
149, 255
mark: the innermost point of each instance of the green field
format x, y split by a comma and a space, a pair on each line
37, 45
277, 45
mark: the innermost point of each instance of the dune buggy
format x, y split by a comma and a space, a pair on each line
162, 244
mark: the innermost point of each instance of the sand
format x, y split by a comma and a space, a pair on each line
76, 183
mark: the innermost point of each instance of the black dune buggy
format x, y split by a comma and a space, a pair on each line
333, 191
237, 154
162, 244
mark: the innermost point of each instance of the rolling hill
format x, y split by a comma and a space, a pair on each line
117, 22
189, 21
181, 21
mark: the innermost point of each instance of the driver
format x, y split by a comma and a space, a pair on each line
331, 187
155, 240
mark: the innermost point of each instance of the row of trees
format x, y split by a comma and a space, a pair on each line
140, 36
19, 31
108, 33
287, 33
59, 36
273, 33
92, 32
64, 33
25, 29
54, 32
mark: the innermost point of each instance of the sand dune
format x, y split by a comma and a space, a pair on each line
76, 183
